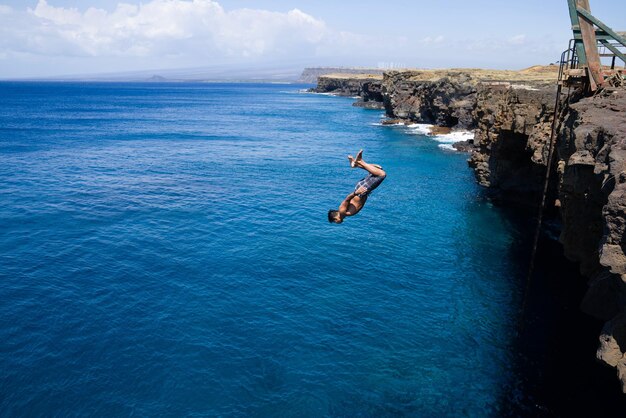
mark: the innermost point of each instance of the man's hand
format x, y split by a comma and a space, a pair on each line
360, 190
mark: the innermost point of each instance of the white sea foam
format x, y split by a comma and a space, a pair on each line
452, 137
420, 128
446, 140
306, 91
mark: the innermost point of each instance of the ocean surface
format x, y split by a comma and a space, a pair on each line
165, 250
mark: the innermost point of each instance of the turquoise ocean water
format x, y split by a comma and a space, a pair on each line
164, 250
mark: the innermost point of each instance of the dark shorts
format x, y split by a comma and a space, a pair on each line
370, 183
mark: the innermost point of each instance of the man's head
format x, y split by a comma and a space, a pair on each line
334, 217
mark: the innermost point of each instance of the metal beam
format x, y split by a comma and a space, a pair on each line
588, 32
591, 19
573, 15
600, 34
614, 50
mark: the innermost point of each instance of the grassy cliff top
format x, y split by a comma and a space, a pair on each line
354, 76
536, 73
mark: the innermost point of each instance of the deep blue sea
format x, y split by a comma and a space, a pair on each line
165, 250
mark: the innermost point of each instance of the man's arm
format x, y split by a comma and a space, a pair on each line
343, 208
351, 207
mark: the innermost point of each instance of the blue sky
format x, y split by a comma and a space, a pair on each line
58, 37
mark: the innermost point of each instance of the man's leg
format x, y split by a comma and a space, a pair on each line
374, 169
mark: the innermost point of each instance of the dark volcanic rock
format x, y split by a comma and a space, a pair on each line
445, 101
592, 189
393, 121
464, 146
513, 127
369, 105
589, 180
366, 87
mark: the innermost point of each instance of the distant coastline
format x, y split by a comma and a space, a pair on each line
278, 75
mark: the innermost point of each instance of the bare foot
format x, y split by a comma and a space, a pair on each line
352, 162
359, 157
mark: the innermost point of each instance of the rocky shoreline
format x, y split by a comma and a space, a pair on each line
511, 115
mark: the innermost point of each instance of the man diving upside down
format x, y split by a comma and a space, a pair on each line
355, 201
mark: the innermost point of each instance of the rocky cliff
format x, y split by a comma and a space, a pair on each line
513, 125
592, 191
511, 114
443, 99
368, 87
587, 189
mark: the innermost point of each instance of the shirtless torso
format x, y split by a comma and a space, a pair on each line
354, 202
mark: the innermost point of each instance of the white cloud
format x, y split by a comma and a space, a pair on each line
517, 40
200, 28
432, 40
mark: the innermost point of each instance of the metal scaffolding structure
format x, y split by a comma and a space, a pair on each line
593, 40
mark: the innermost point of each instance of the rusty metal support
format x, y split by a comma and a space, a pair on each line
589, 34
594, 20
594, 66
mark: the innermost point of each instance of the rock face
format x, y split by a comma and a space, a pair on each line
592, 188
613, 346
591, 152
446, 101
513, 128
512, 115
367, 87
512, 136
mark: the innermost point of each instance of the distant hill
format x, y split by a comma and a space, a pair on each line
215, 73
156, 79
310, 75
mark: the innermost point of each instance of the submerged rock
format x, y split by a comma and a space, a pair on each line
439, 130
394, 122
465, 146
